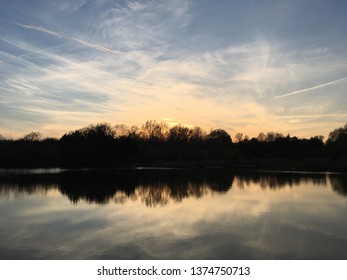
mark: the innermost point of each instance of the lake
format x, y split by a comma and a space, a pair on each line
145, 213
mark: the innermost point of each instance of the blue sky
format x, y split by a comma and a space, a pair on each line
244, 66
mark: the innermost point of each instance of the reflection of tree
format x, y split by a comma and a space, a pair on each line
162, 194
152, 187
153, 195
279, 180
339, 184
22, 190
24, 185
156, 187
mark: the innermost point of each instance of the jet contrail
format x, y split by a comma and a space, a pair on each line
27, 53
78, 40
39, 51
311, 88
41, 29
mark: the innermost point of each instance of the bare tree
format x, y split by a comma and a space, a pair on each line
32, 136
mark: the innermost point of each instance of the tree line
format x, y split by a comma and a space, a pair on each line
156, 143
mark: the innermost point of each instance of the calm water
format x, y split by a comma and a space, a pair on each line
172, 214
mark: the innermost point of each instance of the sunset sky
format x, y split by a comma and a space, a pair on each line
244, 66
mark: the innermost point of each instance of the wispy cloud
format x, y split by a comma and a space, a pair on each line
311, 88
129, 61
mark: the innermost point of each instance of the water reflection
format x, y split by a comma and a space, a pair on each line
281, 179
153, 187
339, 184
172, 214
156, 187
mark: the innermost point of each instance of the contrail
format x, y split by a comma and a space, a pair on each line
28, 53
95, 46
39, 51
41, 29
78, 40
311, 88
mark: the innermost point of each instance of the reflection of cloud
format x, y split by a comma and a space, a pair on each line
253, 222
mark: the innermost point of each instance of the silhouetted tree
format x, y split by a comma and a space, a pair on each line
337, 141
219, 136
92, 145
121, 130
179, 133
337, 133
105, 145
239, 137
272, 136
32, 136
261, 137
154, 131
196, 134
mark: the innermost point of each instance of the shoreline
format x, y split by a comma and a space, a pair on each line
276, 165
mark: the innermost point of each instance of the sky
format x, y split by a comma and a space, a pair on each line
243, 66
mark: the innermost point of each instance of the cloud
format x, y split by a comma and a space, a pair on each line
215, 89
130, 61
311, 88
152, 29
69, 6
